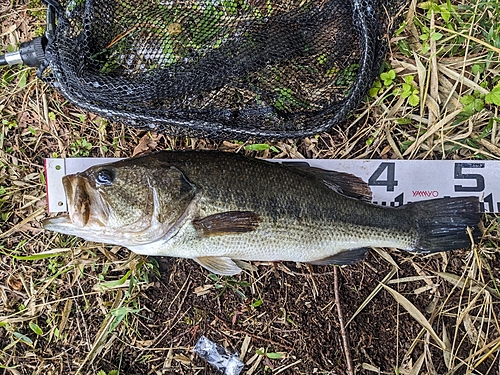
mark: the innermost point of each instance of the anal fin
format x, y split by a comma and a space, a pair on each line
346, 257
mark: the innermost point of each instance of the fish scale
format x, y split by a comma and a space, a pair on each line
221, 208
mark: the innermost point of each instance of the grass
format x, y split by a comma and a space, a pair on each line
67, 306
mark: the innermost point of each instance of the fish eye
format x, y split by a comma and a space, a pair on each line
105, 177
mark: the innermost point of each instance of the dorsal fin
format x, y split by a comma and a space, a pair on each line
343, 183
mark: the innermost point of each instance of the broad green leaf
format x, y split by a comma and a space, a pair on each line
373, 91
23, 338
403, 121
120, 313
472, 104
257, 303
429, 6
275, 355
478, 105
467, 99
23, 79
36, 328
388, 77
118, 319
445, 13
409, 79
123, 311
413, 100
436, 36
257, 147
493, 97
424, 37
476, 68
426, 5
407, 90
115, 283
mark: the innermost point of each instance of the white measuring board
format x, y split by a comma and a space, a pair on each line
393, 182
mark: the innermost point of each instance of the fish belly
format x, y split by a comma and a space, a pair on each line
276, 243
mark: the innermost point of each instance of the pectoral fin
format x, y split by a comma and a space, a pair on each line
219, 265
344, 258
228, 222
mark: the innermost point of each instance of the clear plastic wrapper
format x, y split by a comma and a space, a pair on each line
219, 357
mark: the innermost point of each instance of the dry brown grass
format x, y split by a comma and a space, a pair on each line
67, 306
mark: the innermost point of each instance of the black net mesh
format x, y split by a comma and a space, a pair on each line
219, 68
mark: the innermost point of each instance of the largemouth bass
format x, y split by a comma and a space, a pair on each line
222, 209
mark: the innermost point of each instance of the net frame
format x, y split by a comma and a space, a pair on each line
158, 100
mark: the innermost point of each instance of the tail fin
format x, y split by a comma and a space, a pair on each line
442, 223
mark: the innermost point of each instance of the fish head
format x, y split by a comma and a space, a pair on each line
125, 203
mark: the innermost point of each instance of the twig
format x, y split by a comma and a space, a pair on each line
345, 339
18, 226
117, 38
257, 337
167, 329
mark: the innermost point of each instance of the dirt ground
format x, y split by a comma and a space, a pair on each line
281, 308
72, 307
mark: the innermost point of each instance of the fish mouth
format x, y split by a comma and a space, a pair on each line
78, 200
85, 205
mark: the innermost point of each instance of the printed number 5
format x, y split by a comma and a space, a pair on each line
461, 176
390, 182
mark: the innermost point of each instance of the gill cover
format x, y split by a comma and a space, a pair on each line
135, 195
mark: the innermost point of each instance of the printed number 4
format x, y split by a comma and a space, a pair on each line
389, 182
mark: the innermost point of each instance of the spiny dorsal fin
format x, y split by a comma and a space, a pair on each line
228, 222
343, 183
